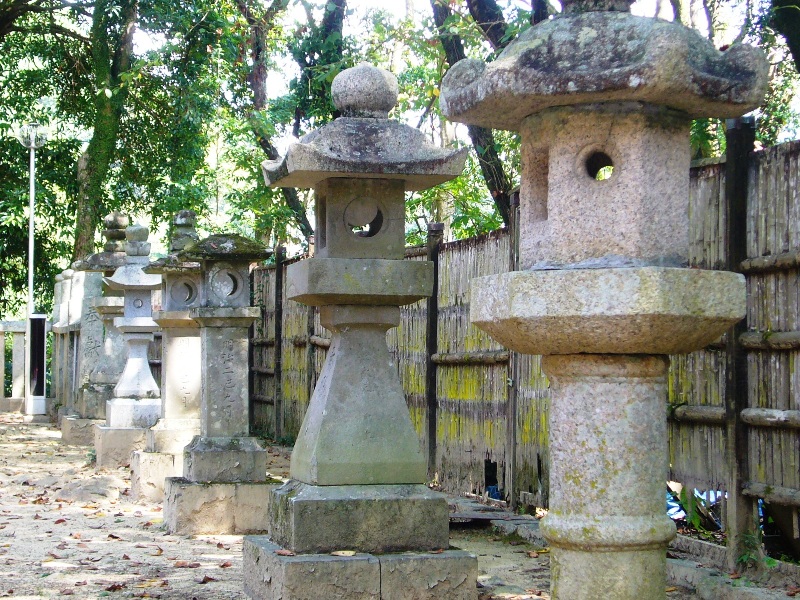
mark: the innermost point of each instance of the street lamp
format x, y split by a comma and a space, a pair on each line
32, 136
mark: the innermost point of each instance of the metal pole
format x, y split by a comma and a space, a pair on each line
31, 307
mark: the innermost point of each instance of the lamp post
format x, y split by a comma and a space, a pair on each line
33, 137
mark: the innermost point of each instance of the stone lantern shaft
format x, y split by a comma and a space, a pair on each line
603, 101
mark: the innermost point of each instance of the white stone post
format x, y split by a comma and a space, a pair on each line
162, 456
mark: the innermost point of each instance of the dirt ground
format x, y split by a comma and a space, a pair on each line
67, 529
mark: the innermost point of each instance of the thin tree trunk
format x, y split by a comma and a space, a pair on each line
482, 138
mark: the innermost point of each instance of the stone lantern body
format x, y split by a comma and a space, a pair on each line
101, 350
136, 404
224, 488
357, 472
603, 101
181, 282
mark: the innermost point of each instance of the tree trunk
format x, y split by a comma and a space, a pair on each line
112, 45
786, 21
482, 138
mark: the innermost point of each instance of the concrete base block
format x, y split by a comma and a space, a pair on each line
172, 435
114, 445
225, 459
148, 472
192, 508
13, 405
40, 419
372, 518
450, 575
78, 432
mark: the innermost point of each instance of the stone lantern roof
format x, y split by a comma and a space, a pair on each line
131, 275
596, 51
230, 247
183, 235
364, 142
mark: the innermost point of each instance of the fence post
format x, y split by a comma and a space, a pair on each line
741, 514
435, 236
513, 370
277, 403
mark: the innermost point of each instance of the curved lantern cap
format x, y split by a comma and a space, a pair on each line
596, 51
365, 143
230, 247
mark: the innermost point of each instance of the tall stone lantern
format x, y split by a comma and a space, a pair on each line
224, 488
181, 281
603, 101
136, 404
357, 472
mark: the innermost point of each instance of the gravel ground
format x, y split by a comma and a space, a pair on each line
67, 529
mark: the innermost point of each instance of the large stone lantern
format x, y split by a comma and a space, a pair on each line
357, 472
224, 488
603, 101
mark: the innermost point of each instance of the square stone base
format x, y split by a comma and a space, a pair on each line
373, 518
12, 405
192, 508
449, 575
114, 445
148, 472
78, 432
225, 459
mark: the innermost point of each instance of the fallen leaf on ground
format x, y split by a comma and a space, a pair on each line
115, 587
346, 553
112, 536
283, 552
66, 592
182, 564
159, 551
205, 579
671, 589
533, 554
226, 564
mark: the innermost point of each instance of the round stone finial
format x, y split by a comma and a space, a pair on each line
365, 91
116, 220
571, 7
137, 233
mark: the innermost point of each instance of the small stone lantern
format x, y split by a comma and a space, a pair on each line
181, 282
357, 472
136, 404
222, 466
603, 101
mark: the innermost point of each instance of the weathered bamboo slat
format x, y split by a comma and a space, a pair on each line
491, 357
785, 261
262, 399
710, 415
263, 342
263, 370
770, 340
773, 494
770, 417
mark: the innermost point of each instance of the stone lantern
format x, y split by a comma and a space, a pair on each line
136, 404
181, 282
101, 349
224, 488
603, 101
357, 473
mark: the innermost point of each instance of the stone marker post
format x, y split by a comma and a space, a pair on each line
357, 473
136, 404
181, 282
62, 368
101, 348
603, 101
224, 488
98, 372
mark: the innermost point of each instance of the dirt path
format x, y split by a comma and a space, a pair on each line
69, 530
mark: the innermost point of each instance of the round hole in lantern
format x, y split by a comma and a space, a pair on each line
363, 217
599, 165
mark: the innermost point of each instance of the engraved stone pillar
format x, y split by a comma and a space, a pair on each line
181, 283
224, 488
17, 330
62, 345
604, 236
136, 404
357, 470
101, 353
